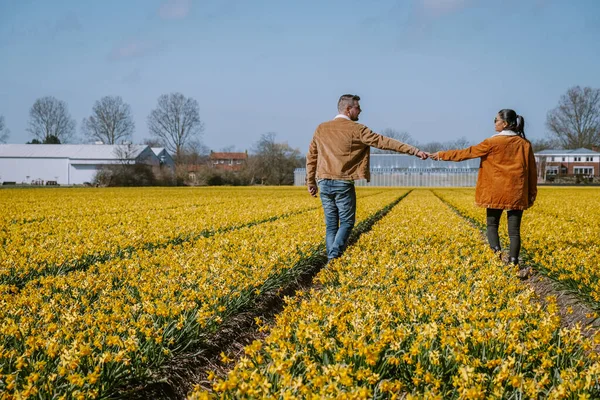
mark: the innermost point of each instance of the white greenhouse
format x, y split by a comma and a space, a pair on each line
66, 164
406, 170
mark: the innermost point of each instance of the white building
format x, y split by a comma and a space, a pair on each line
406, 170
66, 164
164, 157
552, 163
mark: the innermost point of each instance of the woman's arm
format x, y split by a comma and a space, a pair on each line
479, 150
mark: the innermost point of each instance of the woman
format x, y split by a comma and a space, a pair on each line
507, 178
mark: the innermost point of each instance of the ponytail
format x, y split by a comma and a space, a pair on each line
520, 126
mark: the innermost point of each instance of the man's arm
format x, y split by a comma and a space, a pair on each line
311, 168
370, 138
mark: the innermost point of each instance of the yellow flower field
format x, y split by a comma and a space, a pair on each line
85, 332
51, 231
417, 308
559, 234
102, 287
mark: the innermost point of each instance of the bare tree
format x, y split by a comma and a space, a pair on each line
575, 122
544, 144
125, 153
110, 122
50, 117
459, 143
153, 142
432, 147
273, 163
403, 137
175, 121
4, 131
130, 168
194, 153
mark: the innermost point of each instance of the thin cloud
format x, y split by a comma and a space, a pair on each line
46, 29
133, 78
134, 49
67, 23
175, 9
441, 7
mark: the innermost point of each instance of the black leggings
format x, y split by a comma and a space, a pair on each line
514, 230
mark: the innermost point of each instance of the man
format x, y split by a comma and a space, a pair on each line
338, 154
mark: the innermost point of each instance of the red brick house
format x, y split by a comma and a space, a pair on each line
228, 161
554, 163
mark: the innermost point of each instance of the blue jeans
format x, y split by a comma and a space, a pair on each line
339, 204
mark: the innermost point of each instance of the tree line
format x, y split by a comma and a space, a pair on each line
175, 124
429, 147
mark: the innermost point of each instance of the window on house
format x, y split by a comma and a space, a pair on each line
551, 158
577, 159
588, 159
564, 158
583, 170
552, 170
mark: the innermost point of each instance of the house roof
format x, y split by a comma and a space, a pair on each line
228, 156
580, 151
72, 151
157, 150
162, 154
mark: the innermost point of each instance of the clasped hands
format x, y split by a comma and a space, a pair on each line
423, 155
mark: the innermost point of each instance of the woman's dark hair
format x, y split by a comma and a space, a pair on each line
516, 123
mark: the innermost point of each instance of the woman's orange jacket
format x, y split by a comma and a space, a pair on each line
507, 176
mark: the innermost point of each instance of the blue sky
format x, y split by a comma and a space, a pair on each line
439, 69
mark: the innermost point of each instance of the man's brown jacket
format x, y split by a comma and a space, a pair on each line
340, 150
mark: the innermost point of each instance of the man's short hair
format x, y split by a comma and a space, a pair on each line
346, 100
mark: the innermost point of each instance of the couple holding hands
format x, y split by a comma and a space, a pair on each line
339, 154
